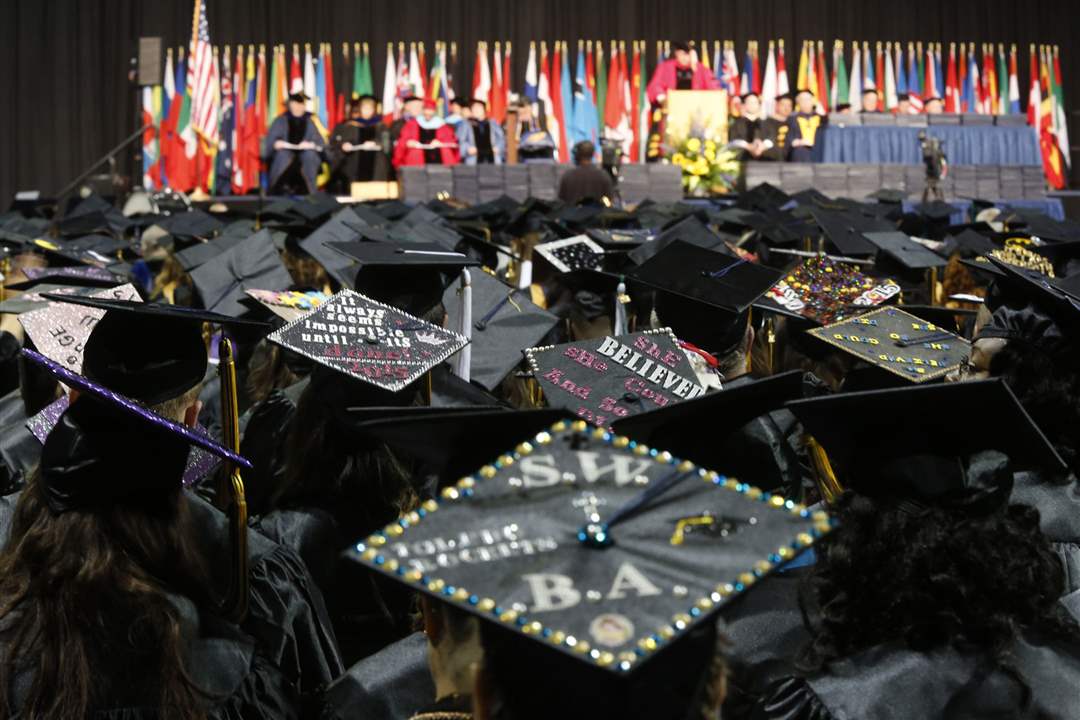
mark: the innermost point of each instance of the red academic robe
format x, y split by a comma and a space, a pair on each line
664, 79
405, 155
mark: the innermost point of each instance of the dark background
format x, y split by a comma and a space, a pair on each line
64, 63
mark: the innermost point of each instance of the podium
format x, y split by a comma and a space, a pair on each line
698, 113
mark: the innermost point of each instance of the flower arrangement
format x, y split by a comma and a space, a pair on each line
708, 168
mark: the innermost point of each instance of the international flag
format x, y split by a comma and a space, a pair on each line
362, 78
543, 95
532, 79
1002, 81
507, 84
802, 78
239, 95
437, 89
931, 89
311, 88
901, 71
635, 99
616, 124
890, 79
168, 94
1061, 128
968, 100
730, 79
223, 167
601, 82
151, 118
334, 111
990, 94
717, 62
840, 88
869, 82
823, 89
952, 91
296, 72
811, 69
583, 125
879, 75
746, 81
939, 75
481, 86
643, 106
919, 71
755, 69
389, 93
1014, 83
855, 86
590, 68
782, 85
768, 86
978, 102
404, 78
557, 105
566, 90
1034, 92
420, 84
497, 107
321, 109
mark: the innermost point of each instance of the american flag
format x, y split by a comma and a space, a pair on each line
202, 79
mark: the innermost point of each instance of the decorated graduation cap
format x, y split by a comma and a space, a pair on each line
88, 276
898, 342
903, 442
253, 263
35, 297
410, 276
601, 550
504, 321
824, 290
148, 352
288, 304
107, 448
571, 254
608, 378
369, 340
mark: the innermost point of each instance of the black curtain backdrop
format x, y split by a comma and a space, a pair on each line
64, 63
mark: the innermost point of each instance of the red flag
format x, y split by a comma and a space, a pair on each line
296, 76
952, 90
987, 94
497, 106
879, 75
556, 101
1053, 162
331, 95
822, 90
506, 85
755, 66
635, 96
590, 70
613, 106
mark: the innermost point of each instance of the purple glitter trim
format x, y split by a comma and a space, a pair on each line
78, 381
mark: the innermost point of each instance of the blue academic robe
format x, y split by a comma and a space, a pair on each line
310, 160
466, 140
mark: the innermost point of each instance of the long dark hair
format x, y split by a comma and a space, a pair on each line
85, 612
930, 578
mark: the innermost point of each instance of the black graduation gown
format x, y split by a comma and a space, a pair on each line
1059, 519
806, 127
20, 451
777, 132
223, 662
264, 431
891, 682
393, 683
359, 165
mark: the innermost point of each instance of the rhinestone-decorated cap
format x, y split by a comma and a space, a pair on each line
599, 547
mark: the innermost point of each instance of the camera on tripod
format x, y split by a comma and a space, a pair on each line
937, 165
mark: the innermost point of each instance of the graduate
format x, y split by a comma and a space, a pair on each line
803, 127
293, 146
426, 140
358, 149
482, 140
679, 73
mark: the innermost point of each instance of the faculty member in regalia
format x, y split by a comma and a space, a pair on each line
359, 147
293, 146
426, 140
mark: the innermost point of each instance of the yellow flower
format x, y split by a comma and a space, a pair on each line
700, 167
678, 159
710, 146
710, 155
693, 145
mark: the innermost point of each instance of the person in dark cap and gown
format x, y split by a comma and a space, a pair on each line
359, 147
293, 146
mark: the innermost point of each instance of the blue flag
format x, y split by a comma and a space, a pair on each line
583, 120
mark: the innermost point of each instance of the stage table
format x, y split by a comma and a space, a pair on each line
963, 145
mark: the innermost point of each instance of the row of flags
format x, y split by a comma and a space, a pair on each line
207, 120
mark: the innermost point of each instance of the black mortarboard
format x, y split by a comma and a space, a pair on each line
105, 247
695, 429
457, 440
298, 97
93, 214
898, 342
969, 242
621, 239
505, 321
412, 277
625, 591
706, 276
688, 230
70, 251
60, 331
901, 248
824, 290
1033, 309
875, 438
203, 252
936, 210
888, 195
253, 263
88, 276
369, 340
763, 197
845, 228
107, 447
345, 226
449, 390
608, 378
34, 298
194, 225
149, 352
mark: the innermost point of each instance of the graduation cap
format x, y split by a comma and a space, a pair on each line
345, 226
369, 340
573, 253
967, 243
200, 462
888, 195
203, 252
191, 226
892, 442
695, 429
149, 352
448, 390
688, 230
289, 304
34, 298
899, 342
412, 277
253, 263
608, 378
944, 317
845, 228
630, 534
106, 447
901, 248
621, 239
1034, 310
763, 197
88, 276
60, 330
93, 214
69, 251
505, 321
824, 290
457, 440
